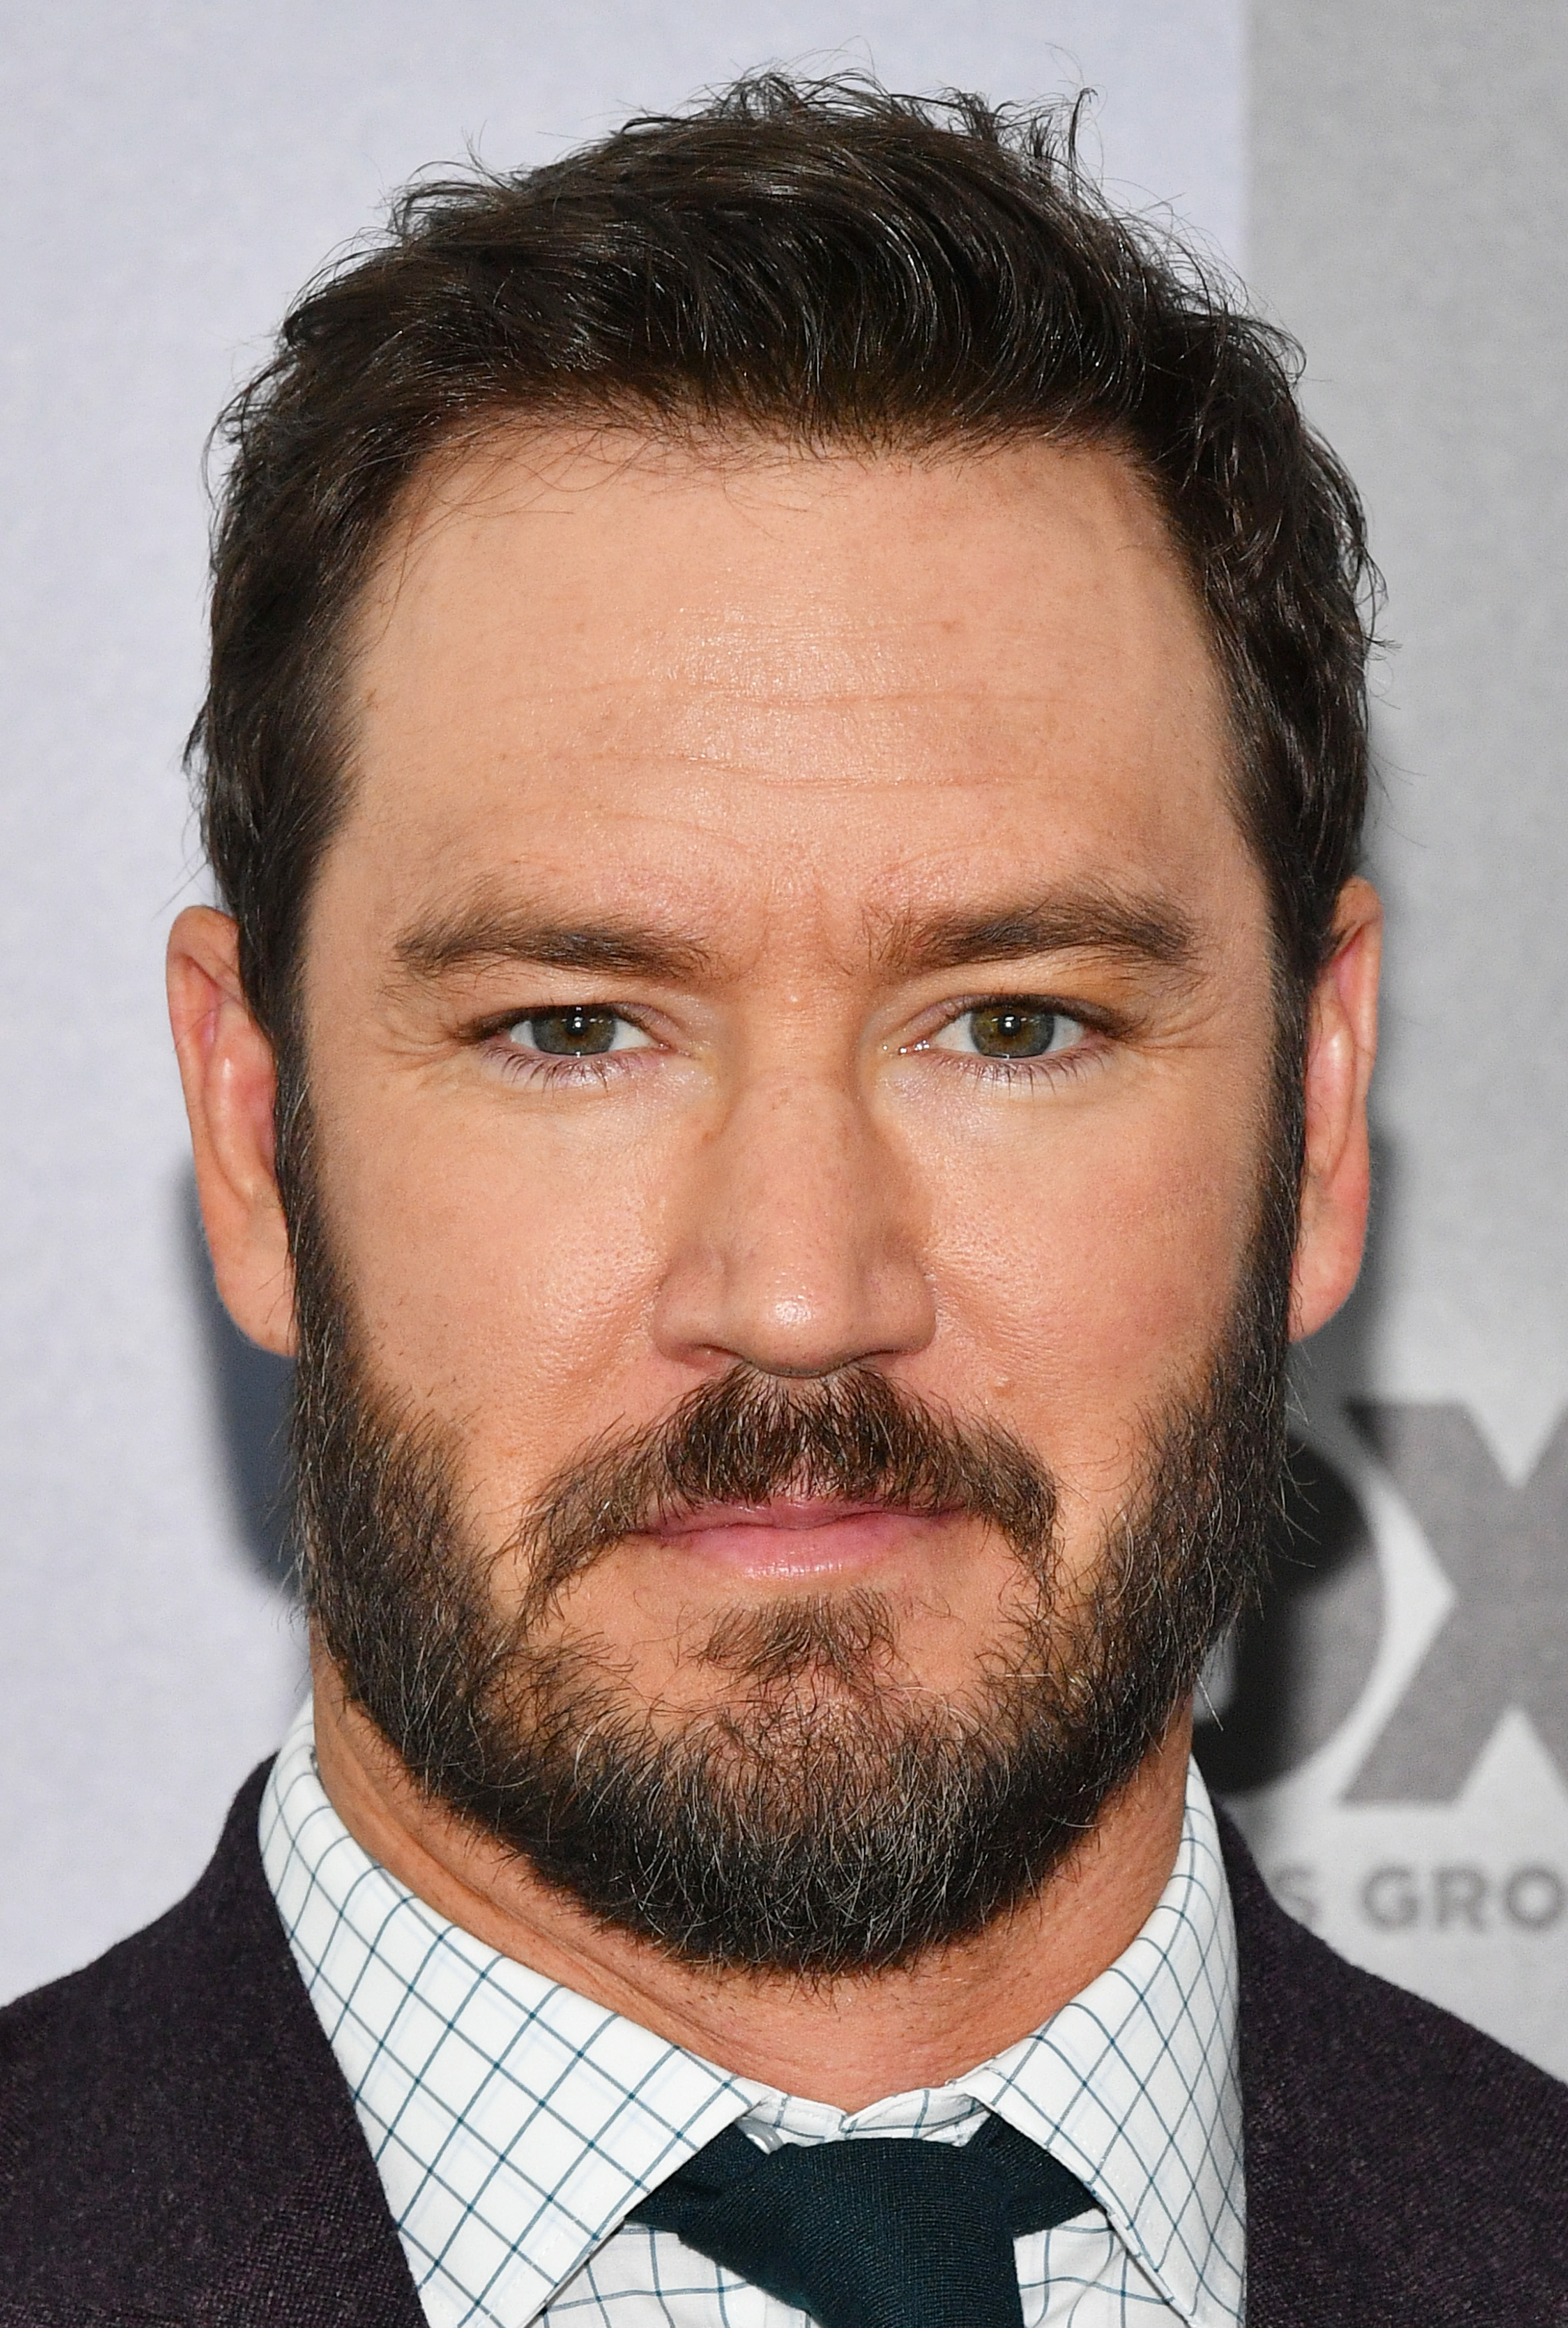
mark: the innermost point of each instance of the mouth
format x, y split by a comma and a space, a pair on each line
790, 1537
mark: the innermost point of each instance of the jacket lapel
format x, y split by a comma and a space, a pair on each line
178, 2148
177, 2142
302, 2234
1402, 2170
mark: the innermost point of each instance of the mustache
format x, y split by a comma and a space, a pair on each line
745, 1438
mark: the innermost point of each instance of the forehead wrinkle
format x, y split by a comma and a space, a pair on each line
1085, 918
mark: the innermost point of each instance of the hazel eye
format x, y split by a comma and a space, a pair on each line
576, 1030
1014, 1027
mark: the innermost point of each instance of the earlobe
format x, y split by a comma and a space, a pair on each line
1341, 1046
228, 1074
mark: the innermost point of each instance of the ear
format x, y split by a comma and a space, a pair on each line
1341, 1044
226, 1066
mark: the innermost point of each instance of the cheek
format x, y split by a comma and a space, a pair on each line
1088, 1277
500, 1268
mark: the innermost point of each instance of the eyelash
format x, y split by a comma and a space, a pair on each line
540, 1069
1063, 1067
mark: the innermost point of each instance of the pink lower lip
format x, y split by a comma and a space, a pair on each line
795, 1539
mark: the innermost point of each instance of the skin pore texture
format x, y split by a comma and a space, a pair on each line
784, 768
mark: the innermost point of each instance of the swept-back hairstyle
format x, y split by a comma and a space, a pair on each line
823, 264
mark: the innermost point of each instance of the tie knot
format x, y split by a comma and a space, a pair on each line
872, 2232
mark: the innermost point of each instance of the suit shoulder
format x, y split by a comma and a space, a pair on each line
167, 1990
1413, 2054
160, 2107
177, 2139
1439, 2158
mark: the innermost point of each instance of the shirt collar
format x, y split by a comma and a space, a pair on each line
514, 2124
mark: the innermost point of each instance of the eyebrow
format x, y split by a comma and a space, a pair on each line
1084, 920
489, 938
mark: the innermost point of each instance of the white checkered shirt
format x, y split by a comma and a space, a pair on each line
515, 2124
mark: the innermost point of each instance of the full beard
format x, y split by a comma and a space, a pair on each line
821, 1816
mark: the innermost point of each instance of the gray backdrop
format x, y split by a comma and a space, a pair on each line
1393, 175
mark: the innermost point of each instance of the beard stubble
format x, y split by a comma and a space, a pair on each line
820, 1818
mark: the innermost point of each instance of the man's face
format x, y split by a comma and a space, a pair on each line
789, 926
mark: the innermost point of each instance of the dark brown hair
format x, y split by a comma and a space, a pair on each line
825, 264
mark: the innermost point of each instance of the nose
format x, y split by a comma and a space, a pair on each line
797, 1249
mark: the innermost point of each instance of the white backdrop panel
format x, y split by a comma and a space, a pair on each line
170, 173
1410, 220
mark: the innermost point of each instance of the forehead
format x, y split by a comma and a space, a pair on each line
871, 682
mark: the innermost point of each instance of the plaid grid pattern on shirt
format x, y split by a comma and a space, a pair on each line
514, 2124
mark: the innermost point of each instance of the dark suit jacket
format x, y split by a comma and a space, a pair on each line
177, 2144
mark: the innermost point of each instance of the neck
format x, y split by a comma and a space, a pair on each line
849, 2042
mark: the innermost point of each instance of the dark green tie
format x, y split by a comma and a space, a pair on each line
873, 2232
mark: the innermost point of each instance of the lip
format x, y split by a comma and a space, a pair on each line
795, 1536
